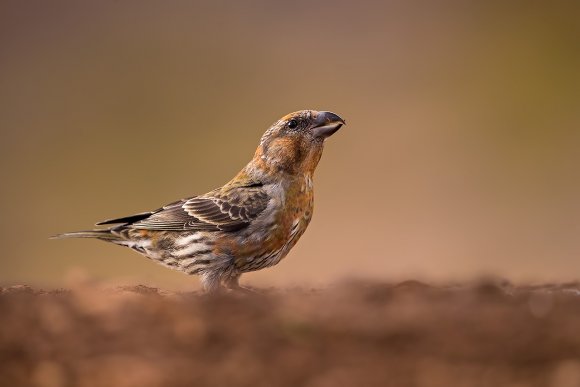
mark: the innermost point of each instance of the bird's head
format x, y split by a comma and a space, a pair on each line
294, 143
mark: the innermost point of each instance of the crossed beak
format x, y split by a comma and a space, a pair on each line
326, 124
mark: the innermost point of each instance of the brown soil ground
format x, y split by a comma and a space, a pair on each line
353, 334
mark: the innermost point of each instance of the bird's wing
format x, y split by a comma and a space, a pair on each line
225, 209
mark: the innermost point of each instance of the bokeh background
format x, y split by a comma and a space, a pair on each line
461, 156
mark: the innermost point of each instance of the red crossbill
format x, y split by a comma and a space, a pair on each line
250, 223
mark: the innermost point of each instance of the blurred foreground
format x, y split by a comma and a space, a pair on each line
359, 333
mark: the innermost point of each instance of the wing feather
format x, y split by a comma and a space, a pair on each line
227, 209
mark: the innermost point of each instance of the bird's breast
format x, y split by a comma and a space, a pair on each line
278, 228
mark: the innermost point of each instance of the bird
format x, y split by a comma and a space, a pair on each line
248, 224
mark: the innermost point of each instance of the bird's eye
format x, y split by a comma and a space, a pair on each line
292, 124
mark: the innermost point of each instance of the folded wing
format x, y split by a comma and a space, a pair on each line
225, 209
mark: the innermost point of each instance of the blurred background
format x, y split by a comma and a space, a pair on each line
460, 158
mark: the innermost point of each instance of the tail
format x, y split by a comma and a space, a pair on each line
104, 235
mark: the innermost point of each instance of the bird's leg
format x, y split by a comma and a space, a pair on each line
233, 284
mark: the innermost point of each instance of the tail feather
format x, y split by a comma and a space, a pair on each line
99, 234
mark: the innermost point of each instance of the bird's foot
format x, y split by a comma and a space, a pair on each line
242, 290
